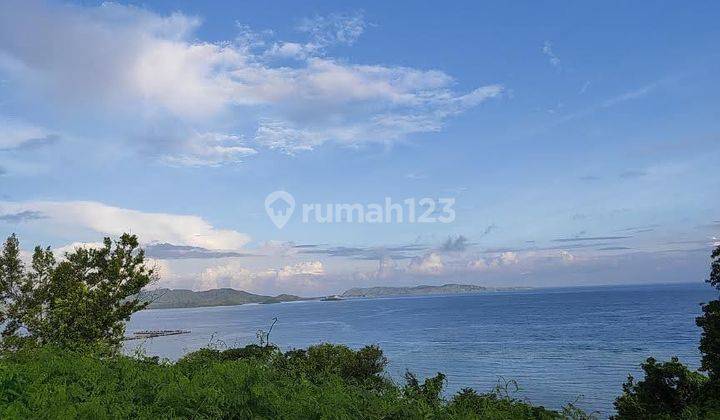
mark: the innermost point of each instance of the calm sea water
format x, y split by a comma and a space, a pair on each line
560, 345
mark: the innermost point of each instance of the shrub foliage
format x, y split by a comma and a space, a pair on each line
672, 391
324, 381
86, 298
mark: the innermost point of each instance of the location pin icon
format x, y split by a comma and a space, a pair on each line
279, 206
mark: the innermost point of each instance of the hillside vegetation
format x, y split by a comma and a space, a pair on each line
325, 381
181, 298
445, 289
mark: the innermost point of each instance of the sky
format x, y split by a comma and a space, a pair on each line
575, 142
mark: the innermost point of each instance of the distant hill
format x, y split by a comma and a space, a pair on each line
182, 298
445, 289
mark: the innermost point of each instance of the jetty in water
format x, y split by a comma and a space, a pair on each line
138, 335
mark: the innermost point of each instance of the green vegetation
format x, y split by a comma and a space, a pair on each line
672, 391
423, 290
324, 381
84, 299
180, 298
63, 323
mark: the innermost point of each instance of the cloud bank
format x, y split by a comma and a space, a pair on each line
99, 218
201, 103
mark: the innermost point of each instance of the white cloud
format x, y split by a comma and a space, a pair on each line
126, 62
307, 268
567, 257
75, 216
508, 258
548, 51
324, 31
291, 50
164, 275
403, 113
301, 277
387, 267
630, 95
232, 275
428, 264
210, 149
504, 259
15, 134
60, 251
613, 101
478, 264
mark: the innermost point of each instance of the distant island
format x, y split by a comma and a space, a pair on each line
182, 298
445, 289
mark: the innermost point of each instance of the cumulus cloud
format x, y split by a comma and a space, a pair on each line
567, 257
479, 264
232, 275
430, 263
508, 258
129, 63
307, 268
504, 259
74, 246
163, 274
301, 277
75, 216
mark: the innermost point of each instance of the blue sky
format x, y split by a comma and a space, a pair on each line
578, 140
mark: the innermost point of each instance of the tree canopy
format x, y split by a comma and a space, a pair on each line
670, 390
85, 298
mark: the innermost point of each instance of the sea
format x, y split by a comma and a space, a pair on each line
559, 345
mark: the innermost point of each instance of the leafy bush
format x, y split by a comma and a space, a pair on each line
52, 382
84, 299
668, 390
467, 403
430, 391
364, 366
672, 391
710, 340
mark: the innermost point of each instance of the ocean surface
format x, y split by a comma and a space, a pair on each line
560, 345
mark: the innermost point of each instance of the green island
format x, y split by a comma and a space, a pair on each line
425, 290
182, 298
63, 322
